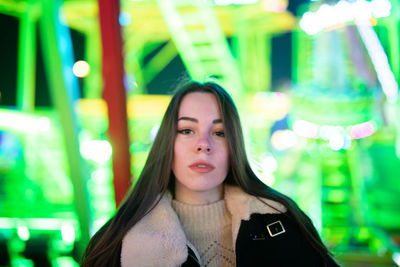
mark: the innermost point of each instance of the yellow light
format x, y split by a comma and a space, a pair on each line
373, 21
81, 69
271, 106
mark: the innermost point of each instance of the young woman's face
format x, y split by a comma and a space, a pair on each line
201, 158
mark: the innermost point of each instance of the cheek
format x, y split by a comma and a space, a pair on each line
178, 157
177, 151
224, 158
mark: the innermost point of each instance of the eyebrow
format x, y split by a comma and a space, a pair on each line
196, 120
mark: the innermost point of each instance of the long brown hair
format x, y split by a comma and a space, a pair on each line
104, 249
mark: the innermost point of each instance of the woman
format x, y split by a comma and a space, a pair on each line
198, 203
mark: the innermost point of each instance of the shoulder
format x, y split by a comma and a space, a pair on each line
241, 204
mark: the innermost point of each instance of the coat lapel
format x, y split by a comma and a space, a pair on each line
241, 205
156, 240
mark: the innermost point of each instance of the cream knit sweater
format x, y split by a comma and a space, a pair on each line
209, 229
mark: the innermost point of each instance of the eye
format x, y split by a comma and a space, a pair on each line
185, 131
220, 133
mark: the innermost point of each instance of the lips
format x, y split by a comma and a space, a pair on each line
201, 166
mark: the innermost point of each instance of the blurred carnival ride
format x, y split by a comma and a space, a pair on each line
329, 138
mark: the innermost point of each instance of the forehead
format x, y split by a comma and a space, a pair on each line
199, 103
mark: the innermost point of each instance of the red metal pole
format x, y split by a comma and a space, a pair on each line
115, 95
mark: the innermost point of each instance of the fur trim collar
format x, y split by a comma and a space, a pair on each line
241, 205
158, 238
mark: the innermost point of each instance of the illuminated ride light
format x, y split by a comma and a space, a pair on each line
328, 16
124, 19
234, 2
97, 150
264, 167
362, 130
153, 132
81, 69
339, 137
396, 258
380, 61
269, 163
305, 128
283, 139
68, 232
20, 122
277, 6
23, 232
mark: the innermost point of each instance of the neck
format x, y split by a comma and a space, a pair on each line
183, 194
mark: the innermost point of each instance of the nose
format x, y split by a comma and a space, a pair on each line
203, 145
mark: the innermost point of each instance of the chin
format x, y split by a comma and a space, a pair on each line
203, 188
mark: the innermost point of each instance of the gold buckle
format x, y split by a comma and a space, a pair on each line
275, 228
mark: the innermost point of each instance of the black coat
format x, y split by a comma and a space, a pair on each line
279, 245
